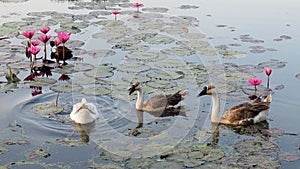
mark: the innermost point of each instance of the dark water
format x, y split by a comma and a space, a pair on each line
223, 22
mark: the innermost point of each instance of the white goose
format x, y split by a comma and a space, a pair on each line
241, 114
156, 105
84, 112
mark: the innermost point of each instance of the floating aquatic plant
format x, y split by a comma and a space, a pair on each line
132, 67
66, 88
96, 90
47, 108
259, 161
63, 38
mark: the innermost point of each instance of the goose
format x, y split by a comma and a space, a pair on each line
84, 112
242, 114
156, 105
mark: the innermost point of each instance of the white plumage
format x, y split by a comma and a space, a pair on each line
84, 112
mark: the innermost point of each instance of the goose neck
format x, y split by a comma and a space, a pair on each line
215, 108
139, 102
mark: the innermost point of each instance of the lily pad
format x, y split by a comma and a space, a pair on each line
234, 76
175, 30
96, 90
161, 84
171, 63
47, 108
83, 80
3, 150
101, 71
42, 81
165, 74
250, 145
193, 35
10, 58
232, 54
136, 78
101, 53
275, 64
155, 9
132, 67
66, 88
166, 165
159, 40
145, 56
8, 31
178, 51
136, 163
288, 156
258, 161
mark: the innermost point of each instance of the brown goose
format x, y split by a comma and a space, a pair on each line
156, 105
242, 114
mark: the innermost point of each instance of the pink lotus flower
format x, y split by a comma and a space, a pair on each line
29, 34
115, 13
137, 5
45, 30
254, 82
35, 42
268, 71
44, 38
34, 50
63, 37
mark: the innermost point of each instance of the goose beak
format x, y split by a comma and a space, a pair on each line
203, 92
131, 89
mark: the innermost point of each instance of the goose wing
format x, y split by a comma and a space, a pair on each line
156, 102
174, 99
245, 111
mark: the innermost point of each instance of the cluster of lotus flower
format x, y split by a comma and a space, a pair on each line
137, 5
256, 81
60, 53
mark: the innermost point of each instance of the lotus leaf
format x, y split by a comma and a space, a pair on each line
175, 30
136, 78
95, 90
159, 39
166, 165
42, 81
275, 64
234, 76
178, 51
47, 108
136, 163
144, 35
184, 20
101, 71
146, 56
232, 54
250, 145
108, 35
105, 155
155, 9
171, 63
3, 150
101, 53
192, 35
161, 84
258, 161
166, 74
67, 88
83, 80
133, 67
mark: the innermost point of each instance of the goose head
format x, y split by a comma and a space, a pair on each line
135, 86
208, 90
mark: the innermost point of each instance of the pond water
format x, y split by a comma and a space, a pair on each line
167, 46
